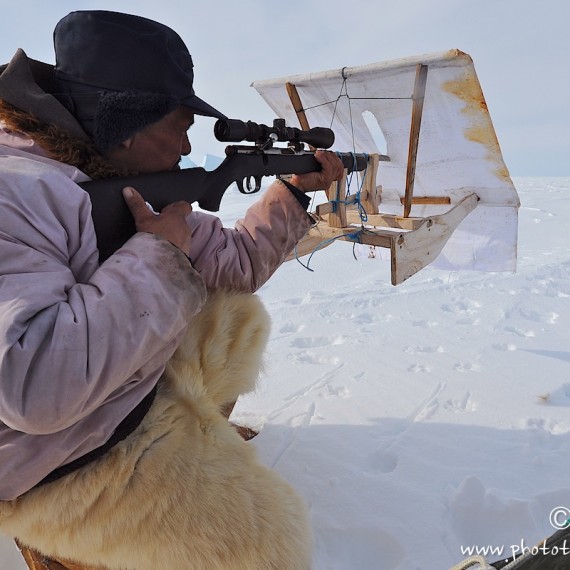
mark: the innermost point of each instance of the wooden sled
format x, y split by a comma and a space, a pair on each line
461, 179
413, 242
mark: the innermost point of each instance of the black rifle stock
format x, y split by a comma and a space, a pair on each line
114, 224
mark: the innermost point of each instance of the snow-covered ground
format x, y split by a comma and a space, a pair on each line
420, 420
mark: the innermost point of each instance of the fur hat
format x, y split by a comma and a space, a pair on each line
118, 73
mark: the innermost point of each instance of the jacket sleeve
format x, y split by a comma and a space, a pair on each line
69, 337
243, 258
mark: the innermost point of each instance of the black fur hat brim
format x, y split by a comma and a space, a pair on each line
121, 115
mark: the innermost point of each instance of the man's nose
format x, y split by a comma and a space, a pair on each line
186, 147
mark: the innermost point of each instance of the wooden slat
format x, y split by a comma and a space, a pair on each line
417, 109
322, 235
324, 209
421, 200
297, 105
312, 241
337, 194
385, 220
371, 193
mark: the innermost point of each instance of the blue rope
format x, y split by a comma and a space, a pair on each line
354, 236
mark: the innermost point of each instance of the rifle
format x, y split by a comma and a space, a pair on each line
114, 224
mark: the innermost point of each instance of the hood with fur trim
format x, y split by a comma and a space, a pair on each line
28, 85
104, 118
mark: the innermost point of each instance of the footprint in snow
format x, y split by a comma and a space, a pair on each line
508, 346
468, 322
464, 307
548, 426
527, 333
466, 367
339, 391
420, 368
550, 318
308, 357
364, 319
425, 324
383, 461
464, 404
318, 341
423, 349
291, 328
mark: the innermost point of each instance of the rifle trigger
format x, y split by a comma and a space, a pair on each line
248, 183
249, 188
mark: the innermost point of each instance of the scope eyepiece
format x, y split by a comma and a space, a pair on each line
234, 130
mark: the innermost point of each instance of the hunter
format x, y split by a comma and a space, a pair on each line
117, 379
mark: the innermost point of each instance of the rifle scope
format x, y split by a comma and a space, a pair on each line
234, 130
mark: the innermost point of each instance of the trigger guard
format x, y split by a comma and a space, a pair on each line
250, 189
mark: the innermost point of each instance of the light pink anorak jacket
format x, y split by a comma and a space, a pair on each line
81, 344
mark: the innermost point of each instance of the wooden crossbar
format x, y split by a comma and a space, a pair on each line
422, 200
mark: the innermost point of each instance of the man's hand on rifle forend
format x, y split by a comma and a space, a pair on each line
332, 169
170, 224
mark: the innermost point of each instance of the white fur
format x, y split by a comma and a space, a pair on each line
184, 491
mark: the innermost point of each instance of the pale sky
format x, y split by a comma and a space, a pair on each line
521, 51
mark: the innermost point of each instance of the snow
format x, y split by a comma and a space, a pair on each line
421, 419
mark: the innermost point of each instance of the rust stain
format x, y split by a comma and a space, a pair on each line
481, 130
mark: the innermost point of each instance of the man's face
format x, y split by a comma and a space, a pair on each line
157, 147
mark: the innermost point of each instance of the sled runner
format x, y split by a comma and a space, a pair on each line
436, 188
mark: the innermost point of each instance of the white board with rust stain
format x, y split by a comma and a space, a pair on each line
369, 109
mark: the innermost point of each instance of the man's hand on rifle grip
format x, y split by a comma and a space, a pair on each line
170, 224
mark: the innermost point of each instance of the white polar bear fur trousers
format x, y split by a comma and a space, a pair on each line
183, 491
